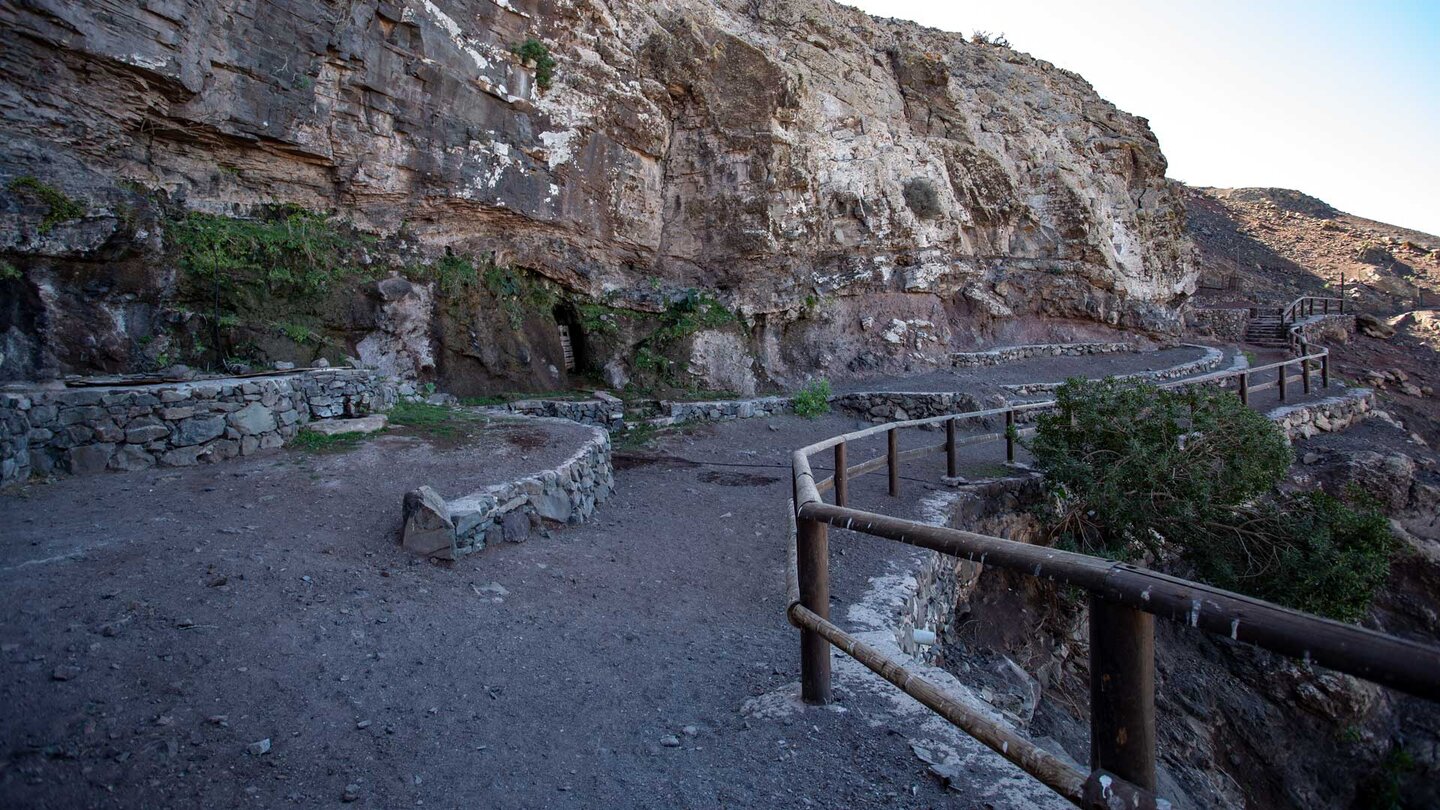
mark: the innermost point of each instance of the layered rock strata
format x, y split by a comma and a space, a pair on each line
822, 172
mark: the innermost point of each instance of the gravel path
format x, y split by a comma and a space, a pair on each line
1034, 370
164, 624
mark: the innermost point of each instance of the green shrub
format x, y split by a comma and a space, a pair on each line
533, 50
9, 272
299, 333
1136, 470
813, 400
1315, 553
58, 207
286, 251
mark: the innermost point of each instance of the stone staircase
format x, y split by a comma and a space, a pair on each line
1267, 328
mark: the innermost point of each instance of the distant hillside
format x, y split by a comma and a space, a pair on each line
1270, 244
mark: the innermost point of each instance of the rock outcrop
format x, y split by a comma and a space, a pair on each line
806, 164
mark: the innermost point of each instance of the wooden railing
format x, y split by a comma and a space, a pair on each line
1124, 600
1307, 305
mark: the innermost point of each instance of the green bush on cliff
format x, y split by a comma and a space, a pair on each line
287, 250
58, 207
1135, 470
533, 50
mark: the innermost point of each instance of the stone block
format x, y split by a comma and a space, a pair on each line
182, 456
515, 526
132, 458
108, 431
428, 529
553, 505
253, 419
92, 458
198, 430
332, 427
146, 433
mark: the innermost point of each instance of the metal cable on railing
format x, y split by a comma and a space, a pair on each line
1124, 600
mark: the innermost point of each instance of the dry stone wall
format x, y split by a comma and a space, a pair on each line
90, 430
1209, 362
1328, 329
606, 412
897, 406
1328, 415
510, 511
1012, 354
1228, 324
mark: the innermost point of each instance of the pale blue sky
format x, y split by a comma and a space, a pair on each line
1337, 99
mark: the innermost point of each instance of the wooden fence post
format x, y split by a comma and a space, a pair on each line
1305, 369
1245, 388
1010, 436
1325, 371
892, 457
1281, 381
842, 476
813, 562
1122, 692
951, 462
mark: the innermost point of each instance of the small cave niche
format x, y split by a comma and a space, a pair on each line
572, 338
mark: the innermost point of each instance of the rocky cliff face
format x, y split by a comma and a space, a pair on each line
827, 177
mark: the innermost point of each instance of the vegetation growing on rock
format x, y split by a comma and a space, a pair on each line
1138, 471
58, 206
533, 50
813, 400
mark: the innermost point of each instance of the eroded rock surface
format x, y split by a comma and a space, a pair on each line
810, 165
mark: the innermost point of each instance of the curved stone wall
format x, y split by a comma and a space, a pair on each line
1011, 354
513, 510
1210, 362
93, 429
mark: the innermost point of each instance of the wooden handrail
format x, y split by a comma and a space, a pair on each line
1123, 600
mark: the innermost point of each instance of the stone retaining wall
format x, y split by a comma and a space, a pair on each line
1322, 330
725, 410
897, 406
1228, 324
511, 511
1210, 362
89, 430
1010, 354
605, 412
1326, 415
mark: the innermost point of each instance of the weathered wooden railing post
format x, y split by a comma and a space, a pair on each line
1245, 388
1325, 371
812, 547
1325, 307
892, 458
1010, 436
842, 477
1281, 381
1122, 692
1305, 367
951, 462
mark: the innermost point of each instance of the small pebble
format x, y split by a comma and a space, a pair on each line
352, 793
259, 748
670, 741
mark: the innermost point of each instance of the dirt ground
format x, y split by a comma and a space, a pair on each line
249, 634
164, 623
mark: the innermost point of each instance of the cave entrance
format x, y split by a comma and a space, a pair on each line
572, 337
